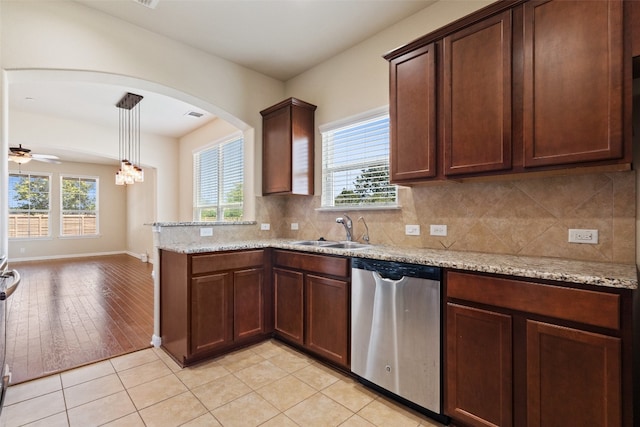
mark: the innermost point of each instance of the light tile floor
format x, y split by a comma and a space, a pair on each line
269, 384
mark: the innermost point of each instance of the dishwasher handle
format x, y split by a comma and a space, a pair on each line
397, 270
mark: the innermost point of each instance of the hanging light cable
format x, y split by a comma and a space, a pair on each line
129, 140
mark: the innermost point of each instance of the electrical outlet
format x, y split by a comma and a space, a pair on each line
294, 226
206, 232
265, 227
577, 235
412, 230
438, 230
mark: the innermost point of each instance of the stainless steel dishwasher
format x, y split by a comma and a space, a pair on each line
395, 330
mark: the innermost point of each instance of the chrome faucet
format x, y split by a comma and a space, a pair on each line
365, 236
347, 223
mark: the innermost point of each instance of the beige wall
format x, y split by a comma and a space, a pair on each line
112, 215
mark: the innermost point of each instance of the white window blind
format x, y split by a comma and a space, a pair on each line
219, 182
79, 206
29, 205
355, 164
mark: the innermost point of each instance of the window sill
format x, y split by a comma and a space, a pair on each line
86, 236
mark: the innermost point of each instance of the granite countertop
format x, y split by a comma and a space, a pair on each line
563, 270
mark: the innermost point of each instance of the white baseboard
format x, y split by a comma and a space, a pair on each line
140, 256
83, 255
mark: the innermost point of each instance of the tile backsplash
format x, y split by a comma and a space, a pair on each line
520, 217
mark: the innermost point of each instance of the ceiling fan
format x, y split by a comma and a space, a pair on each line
22, 155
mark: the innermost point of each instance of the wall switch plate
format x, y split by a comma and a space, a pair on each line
294, 226
206, 231
265, 227
438, 230
412, 230
577, 235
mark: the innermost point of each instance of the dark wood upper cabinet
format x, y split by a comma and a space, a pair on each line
476, 132
288, 135
573, 82
517, 87
412, 110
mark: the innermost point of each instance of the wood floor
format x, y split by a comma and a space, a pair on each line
67, 313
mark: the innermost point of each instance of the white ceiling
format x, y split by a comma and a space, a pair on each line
279, 38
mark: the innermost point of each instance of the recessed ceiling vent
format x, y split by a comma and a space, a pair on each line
194, 114
151, 4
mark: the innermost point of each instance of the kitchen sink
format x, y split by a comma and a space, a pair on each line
349, 245
314, 243
332, 244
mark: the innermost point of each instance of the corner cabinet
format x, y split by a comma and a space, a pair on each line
210, 303
312, 302
288, 135
526, 353
517, 87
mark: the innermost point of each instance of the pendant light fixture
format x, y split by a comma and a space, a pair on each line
129, 140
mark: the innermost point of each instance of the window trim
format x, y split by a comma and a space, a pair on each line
49, 176
62, 210
349, 121
233, 137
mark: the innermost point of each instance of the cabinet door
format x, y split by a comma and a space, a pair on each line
288, 288
573, 377
276, 151
477, 97
412, 111
211, 320
573, 82
327, 318
478, 367
248, 303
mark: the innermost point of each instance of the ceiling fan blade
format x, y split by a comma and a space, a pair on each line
45, 156
46, 160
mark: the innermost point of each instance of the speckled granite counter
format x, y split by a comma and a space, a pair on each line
581, 272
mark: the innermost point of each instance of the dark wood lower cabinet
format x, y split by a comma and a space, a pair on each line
211, 303
288, 287
248, 303
520, 353
479, 366
327, 319
312, 303
573, 377
210, 326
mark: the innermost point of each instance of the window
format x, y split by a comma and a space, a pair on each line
218, 182
29, 205
355, 164
79, 206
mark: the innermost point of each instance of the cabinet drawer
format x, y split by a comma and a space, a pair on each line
578, 305
226, 261
323, 264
